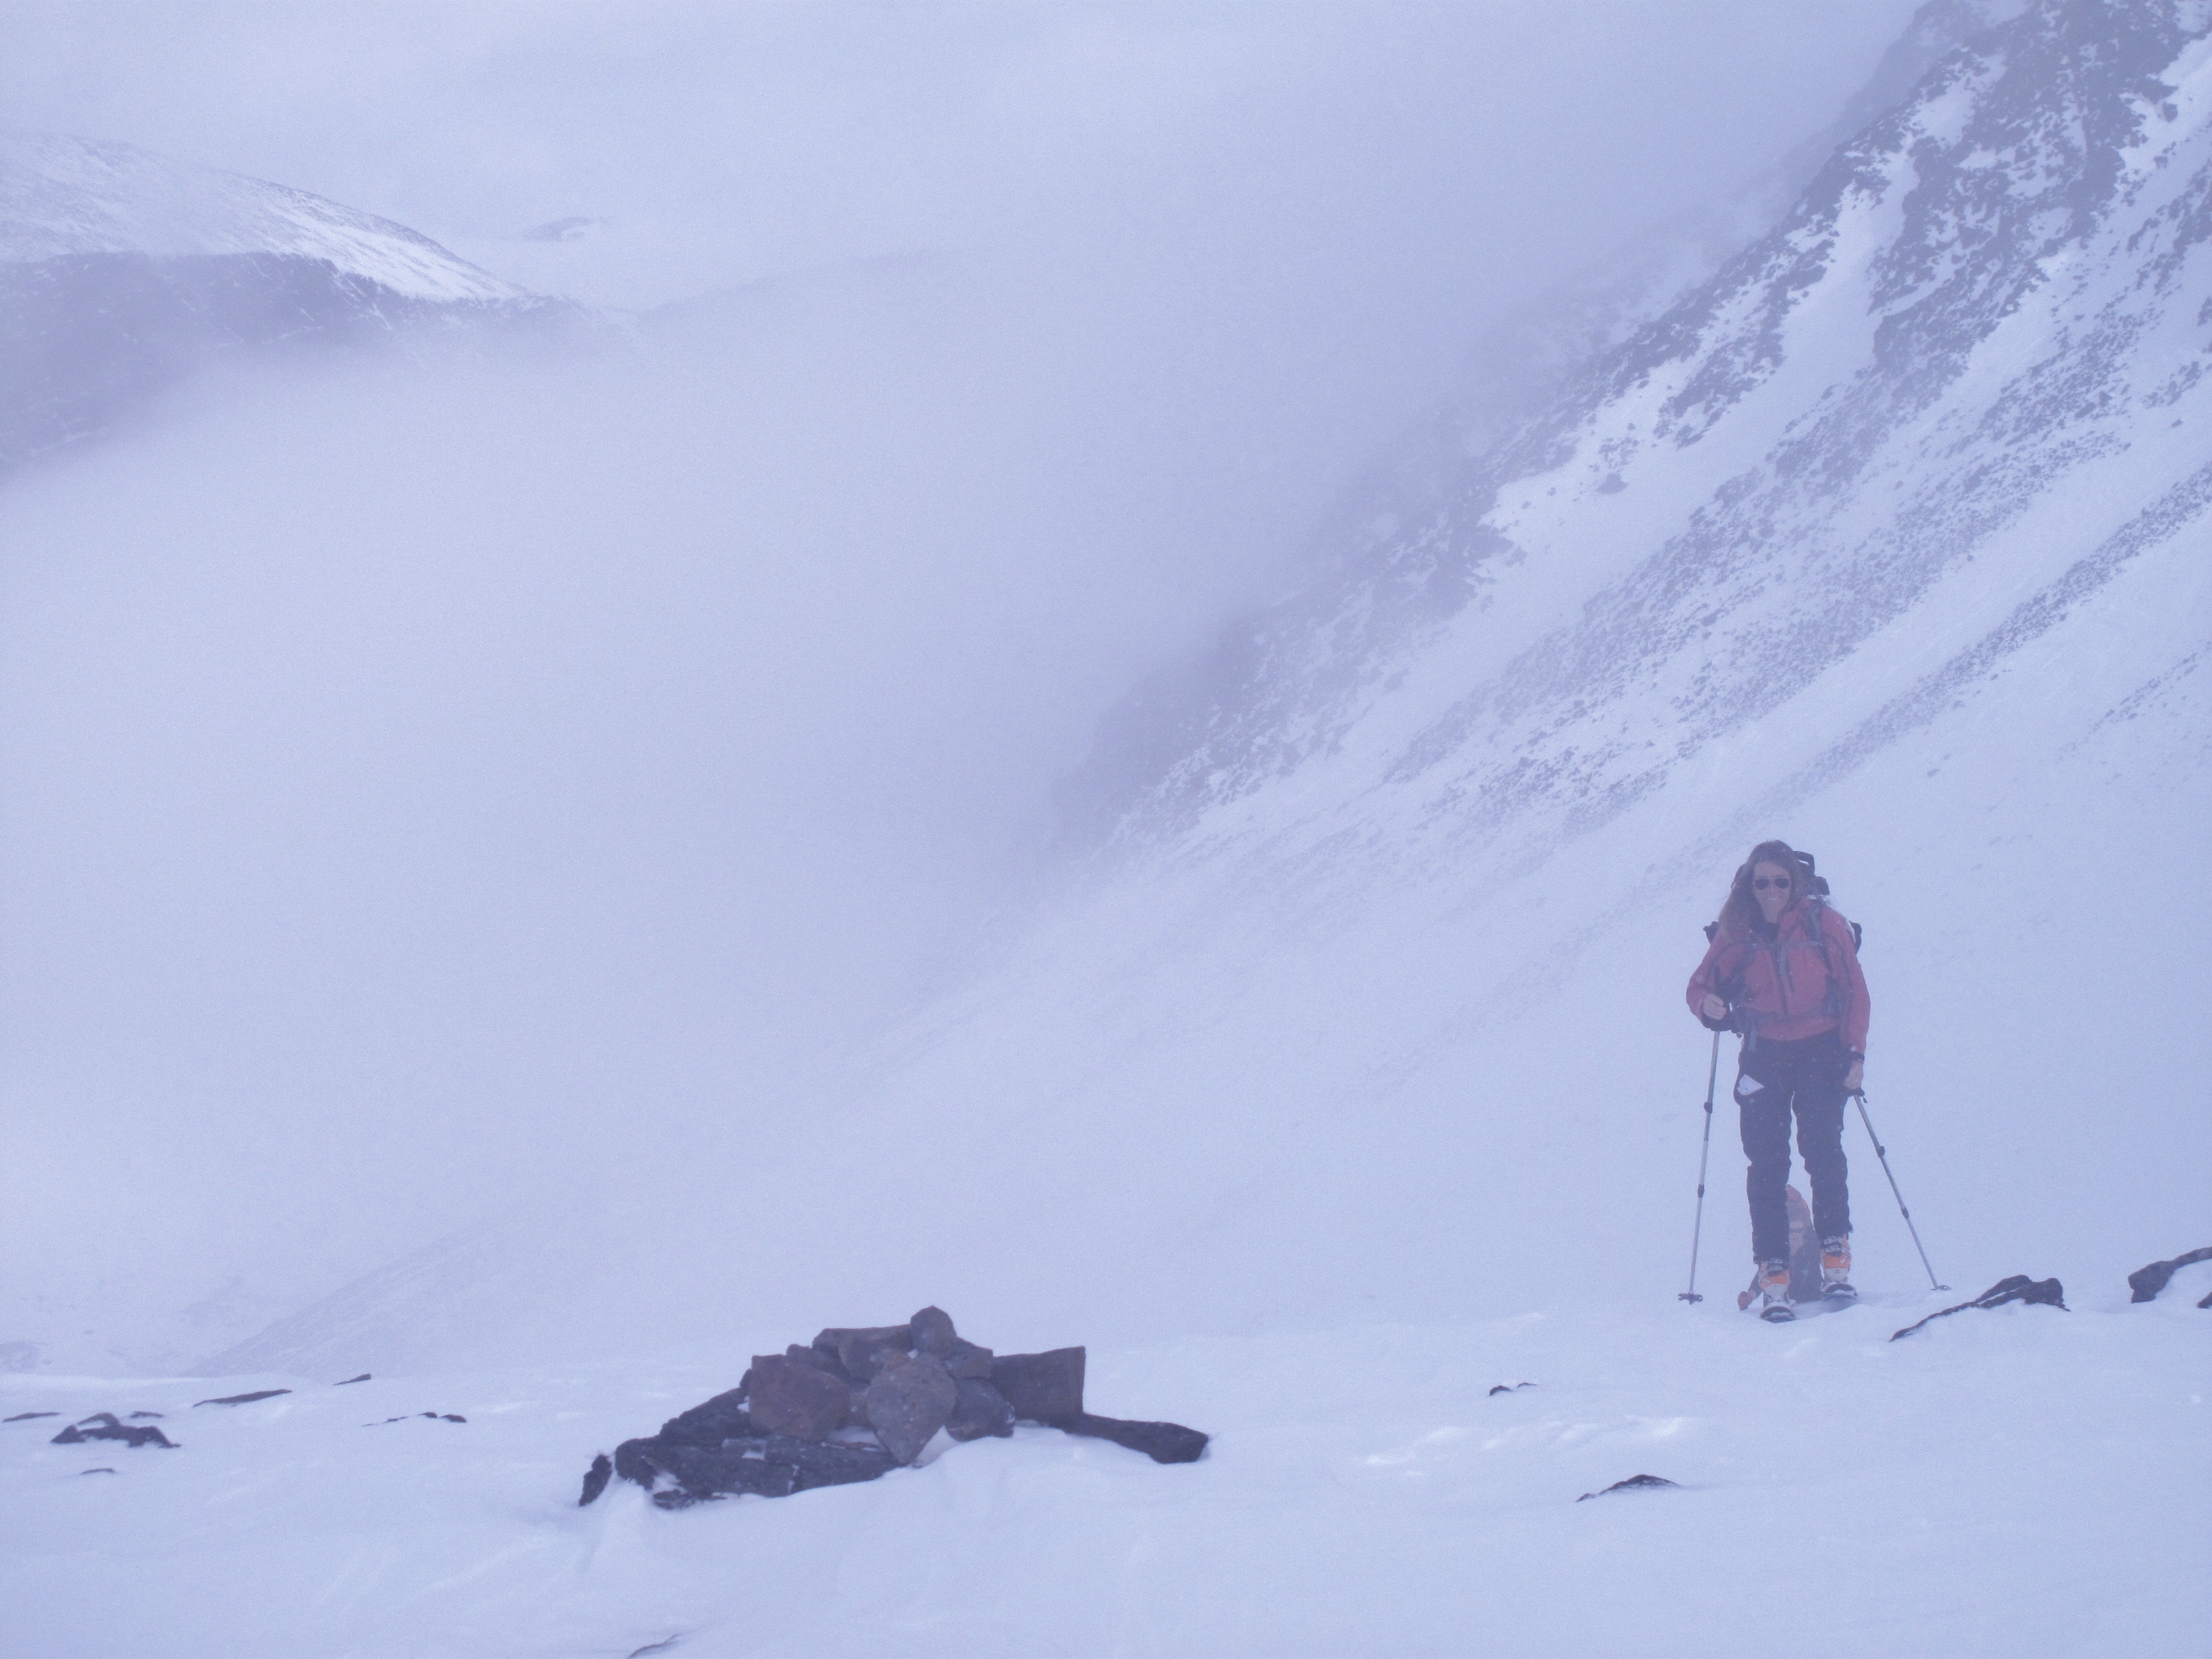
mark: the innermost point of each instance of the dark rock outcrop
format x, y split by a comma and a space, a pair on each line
596, 1479
712, 1421
2145, 1283
766, 1466
696, 1473
1042, 1388
832, 1463
1634, 1483
105, 1425
2048, 1292
1163, 1443
243, 1399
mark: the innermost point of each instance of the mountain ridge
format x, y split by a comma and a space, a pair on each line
61, 194
123, 274
1967, 250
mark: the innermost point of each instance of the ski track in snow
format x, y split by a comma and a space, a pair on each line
2011, 1482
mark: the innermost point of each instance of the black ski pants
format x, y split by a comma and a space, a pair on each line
1775, 1081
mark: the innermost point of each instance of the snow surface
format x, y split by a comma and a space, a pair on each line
2004, 1483
62, 194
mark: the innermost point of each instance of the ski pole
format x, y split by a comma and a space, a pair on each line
1712, 1080
1882, 1152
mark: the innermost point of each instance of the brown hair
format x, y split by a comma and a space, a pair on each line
1741, 908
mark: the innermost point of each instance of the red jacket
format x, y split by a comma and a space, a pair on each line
1804, 981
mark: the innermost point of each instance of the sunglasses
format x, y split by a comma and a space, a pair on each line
1763, 883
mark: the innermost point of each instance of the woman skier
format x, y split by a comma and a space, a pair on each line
1783, 969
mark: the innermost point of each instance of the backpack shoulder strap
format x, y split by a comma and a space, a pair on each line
1816, 905
1816, 909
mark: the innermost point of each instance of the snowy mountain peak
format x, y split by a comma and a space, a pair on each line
61, 195
1995, 299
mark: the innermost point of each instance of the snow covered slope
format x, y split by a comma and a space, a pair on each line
1987, 304
1889, 539
62, 194
2030, 1485
124, 275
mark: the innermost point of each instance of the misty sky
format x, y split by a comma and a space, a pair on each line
1417, 159
425, 783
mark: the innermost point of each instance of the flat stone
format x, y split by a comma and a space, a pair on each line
1042, 1388
967, 1359
857, 1346
815, 1463
908, 1401
933, 1333
1163, 1443
820, 1359
712, 1421
799, 1400
979, 1410
741, 1466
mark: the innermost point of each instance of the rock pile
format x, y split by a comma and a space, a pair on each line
860, 1401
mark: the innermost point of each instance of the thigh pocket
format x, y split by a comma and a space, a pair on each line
1748, 1088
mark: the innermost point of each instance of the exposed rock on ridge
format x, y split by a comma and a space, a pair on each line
1999, 287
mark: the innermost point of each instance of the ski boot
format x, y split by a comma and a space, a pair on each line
1836, 1272
1774, 1293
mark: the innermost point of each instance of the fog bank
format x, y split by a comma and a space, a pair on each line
430, 787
